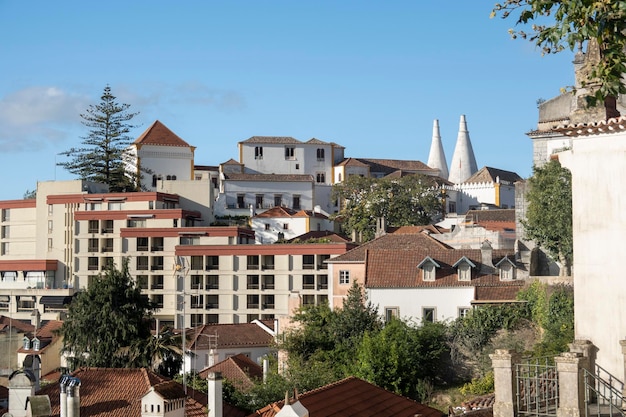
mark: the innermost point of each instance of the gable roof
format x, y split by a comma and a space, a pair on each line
230, 335
353, 397
239, 370
269, 177
387, 166
117, 392
19, 325
279, 140
393, 241
159, 134
321, 234
46, 335
488, 174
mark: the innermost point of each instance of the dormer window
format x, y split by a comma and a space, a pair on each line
36, 344
464, 269
26, 343
429, 269
507, 269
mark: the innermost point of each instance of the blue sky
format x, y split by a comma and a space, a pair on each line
369, 75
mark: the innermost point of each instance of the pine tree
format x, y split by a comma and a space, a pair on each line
105, 320
105, 156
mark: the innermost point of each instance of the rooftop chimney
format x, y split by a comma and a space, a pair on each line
215, 394
486, 257
295, 409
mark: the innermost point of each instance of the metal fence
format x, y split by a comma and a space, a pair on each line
537, 387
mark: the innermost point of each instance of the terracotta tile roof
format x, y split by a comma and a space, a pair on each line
500, 215
322, 234
230, 335
388, 166
202, 399
495, 294
159, 134
118, 392
231, 161
46, 335
315, 141
350, 162
272, 140
415, 229
19, 325
395, 241
276, 212
269, 177
488, 174
239, 370
310, 213
205, 167
398, 269
353, 397
612, 125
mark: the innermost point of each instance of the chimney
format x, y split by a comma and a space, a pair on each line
381, 227
62, 397
35, 319
21, 386
295, 409
486, 257
69, 396
215, 394
266, 366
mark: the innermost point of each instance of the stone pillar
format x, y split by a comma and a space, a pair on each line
569, 366
588, 351
503, 362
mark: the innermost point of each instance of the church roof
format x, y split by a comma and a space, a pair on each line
159, 134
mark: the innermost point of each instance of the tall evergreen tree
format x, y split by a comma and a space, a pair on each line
105, 156
106, 319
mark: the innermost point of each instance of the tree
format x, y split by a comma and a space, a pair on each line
105, 320
163, 353
105, 156
30, 194
549, 215
601, 24
409, 200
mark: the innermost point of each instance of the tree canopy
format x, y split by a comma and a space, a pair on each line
549, 215
561, 24
104, 155
405, 201
107, 321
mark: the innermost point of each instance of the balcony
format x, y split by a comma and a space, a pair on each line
253, 305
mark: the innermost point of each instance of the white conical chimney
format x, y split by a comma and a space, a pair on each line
215, 405
463, 163
436, 157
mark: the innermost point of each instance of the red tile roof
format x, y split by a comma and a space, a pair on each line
322, 234
159, 134
230, 335
488, 174
353, 397
46, 335
269, 177
118, 392
16, 325
239, 370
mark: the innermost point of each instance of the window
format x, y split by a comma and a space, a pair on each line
465, 272
157, 263
308, 261
507, 272
189, 240
157, 299
253, 261
308, 300
50, 243
142, 281
464, 311
106, 262
268, 301
278, 200
212, 262
135, 223
320, 178
290, 152
429, 272
253, 301
267, 226
5, 232
6, 215
451, 207
157, 244
4, 248
142, 263
93, 206
285, 226
107, 226
93, 226
93, 245
344, 277
107, 245
196, 320
320, 261
322, 282
268, 282
197, 301
320, 154
212, 282
390, 313
157, 282
212, 318
212, 301
429, 314
142, 243
259, 201
308, 282
258, 152
50, 226
115, 205
92, 263
268, 261
196, 282
252, 282
196, 262
296, 202
241, 201
322, 299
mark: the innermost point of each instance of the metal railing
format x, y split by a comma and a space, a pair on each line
603, 394
537, 387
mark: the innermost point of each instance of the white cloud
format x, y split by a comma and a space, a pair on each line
34, 116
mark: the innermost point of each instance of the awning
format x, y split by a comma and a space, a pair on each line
55, 300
